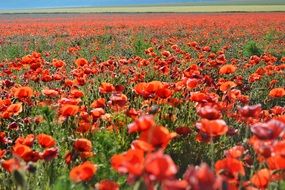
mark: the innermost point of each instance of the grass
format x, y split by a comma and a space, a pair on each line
161, 8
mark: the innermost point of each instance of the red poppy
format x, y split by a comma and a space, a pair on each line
227, 85
46, 141
28, 140
230, 167
201, 177
141, 124
2, 153
83, 145
11, 165
142, 145
23, 92
209, 112
49, 154
199, 97
69, 110
13, 109
261, 178
277, 93
250, 111
141, 89
99, 103
50, 92
235, 152
107, 185
164, 92
23, 151
157, 136
83, 172
76, 93
106, 88
97, 113
160, 166
212, 128
276, 162
268, 131
58, 63
131, 162
81, 62
118, 101
174, 185
227, 69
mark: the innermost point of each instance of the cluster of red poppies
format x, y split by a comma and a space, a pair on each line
52, 108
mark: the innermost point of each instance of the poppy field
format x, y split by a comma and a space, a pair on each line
170, 101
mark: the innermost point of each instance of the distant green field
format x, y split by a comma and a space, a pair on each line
142, 9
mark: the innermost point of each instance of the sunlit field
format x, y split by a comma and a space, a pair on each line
169, 101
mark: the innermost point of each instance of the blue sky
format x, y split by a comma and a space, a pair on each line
17, 4
22, 4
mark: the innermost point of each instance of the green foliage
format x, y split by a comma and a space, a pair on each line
251, 48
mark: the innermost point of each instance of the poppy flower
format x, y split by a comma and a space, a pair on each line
50, 92
133, 113
227, 85
15, 109
99, 103
276, 162
49, 154
192, 83
69, 110
200, 177
235, 152
141, 124
131, 162
193, 44
141, 89
212, 128
97, 113
261, 178
11, 165
160, 166
83, 145
28, 140
107, 185
81, 62
250, 111
106, 88
22, 151
142, 145
46, 141
164, 93
269, 130
23, 92
149, 89
2, 153
118, 100
76, 93
4, 104
277, 93
83, 172
206, 48
58, 63
157, 136
209, 112
153, 86
198, 97
174, 185
230, 167
227, 69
